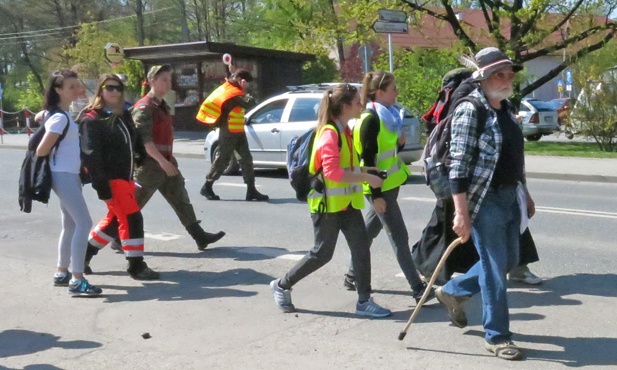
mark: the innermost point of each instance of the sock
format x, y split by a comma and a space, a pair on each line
60, 274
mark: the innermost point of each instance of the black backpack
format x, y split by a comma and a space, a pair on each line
299, 152
35, 174
436, 154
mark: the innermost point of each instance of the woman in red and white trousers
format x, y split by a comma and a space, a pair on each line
109, 150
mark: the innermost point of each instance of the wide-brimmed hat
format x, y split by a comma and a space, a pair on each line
490, 60
155, 70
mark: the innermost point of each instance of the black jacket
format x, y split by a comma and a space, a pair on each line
109, 148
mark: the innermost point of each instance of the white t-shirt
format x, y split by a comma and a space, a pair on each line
67, 156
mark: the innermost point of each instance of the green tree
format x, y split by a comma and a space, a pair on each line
595, 113
419, 73
526, 29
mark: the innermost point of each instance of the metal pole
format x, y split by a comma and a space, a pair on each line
390, 52
365, 59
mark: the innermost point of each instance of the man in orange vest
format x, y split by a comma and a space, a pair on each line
225, 107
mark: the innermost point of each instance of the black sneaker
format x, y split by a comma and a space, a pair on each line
82, 287
350, 282
62, 279
418, 293
143, 272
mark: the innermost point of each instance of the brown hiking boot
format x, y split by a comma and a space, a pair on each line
455, 307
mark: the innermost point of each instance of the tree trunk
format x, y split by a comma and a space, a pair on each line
139, 12
186, 37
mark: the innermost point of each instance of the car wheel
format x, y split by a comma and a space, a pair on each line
535, 137
232, 168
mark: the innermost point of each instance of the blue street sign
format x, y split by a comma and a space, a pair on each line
0, 91
559, 83
568, 77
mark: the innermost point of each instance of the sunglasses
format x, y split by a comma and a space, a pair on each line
110, 88
504, 75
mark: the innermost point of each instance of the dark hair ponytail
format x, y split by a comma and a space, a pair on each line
52, 99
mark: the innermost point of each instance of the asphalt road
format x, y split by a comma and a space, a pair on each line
214, 309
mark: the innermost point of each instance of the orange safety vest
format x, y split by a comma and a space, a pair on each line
211, 108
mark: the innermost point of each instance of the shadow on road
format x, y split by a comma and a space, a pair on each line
235, 253
572, 352
553, 291
18, 342
190, 285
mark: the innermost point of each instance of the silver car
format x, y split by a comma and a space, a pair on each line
538, 118
272, 124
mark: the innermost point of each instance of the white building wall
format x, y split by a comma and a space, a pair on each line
539, 67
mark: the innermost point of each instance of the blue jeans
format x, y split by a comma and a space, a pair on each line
496, 235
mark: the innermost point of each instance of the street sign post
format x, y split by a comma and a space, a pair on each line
114, 53
391, 21
390, 27
392, 15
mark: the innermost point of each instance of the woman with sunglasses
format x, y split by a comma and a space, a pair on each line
336, 202
110, 149
377, 139
65, 164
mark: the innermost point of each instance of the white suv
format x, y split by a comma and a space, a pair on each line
272, 124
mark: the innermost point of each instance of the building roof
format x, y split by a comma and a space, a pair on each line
194, 51
430, 32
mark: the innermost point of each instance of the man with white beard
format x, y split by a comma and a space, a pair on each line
485, 170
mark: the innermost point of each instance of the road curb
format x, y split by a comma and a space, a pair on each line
418, 170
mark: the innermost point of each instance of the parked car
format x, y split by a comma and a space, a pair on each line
271, 125
538, 118
563, 106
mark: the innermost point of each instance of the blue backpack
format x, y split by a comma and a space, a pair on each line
299, 152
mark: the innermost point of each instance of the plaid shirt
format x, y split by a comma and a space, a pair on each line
474, 157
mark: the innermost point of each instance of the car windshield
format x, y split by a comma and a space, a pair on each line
541, 106
556, 104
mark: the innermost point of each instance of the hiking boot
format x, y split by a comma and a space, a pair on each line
207, 191
419, 292
203, 238
505, 350
81, 287
455, 307
523, 275
350, 282
139, 270
371, 309
253, 194
62, 279
282, 297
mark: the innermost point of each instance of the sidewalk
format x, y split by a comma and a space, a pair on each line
190, 145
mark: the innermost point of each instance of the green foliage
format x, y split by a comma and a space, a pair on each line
29, 96
323, 69
595, 113
134, 71
88, 53
418, 75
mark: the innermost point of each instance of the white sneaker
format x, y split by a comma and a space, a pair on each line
523, 275
282, 297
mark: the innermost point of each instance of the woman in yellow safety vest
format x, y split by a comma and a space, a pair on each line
377, 140
336, 202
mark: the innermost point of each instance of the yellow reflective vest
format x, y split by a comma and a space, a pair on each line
211, 108
335, 196
387, 155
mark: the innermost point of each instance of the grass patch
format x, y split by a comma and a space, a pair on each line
570, 149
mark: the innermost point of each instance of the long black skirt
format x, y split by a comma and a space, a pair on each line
438, 234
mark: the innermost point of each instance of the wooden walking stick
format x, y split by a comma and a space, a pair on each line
429, 286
